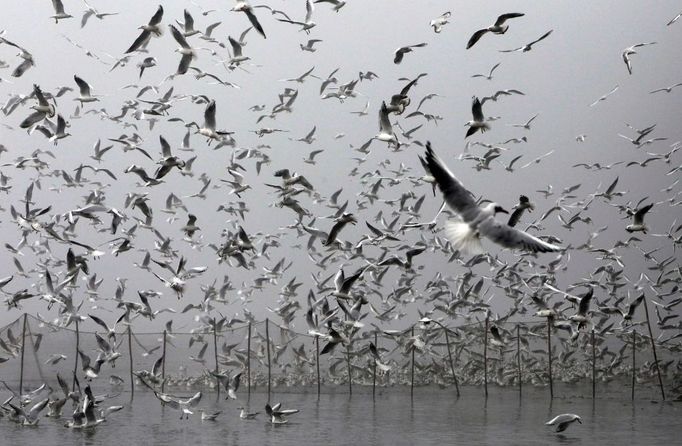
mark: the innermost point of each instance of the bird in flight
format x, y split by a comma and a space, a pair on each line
477, 221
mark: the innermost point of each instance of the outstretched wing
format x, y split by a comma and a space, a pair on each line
509, 237
457, 197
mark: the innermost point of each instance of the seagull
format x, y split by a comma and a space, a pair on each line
400, 52
179, 404
527, 124
244, 414
90, 11
498, 28
237, 53
603, 98
208, 130
528, 46
523, 205
666, 89
246, 8
188, 25
386, 133
27, 57
31, 417
477, 221
187, 51
55, 132
338, 4
308, 24
341, 222
42, 110
309, 46
231, 384
490, 74
439, 22
629, 51
148, 30
638, 220
563, 421
84, 88
59, 11
478, 123
148, 62
675, 19
277, 414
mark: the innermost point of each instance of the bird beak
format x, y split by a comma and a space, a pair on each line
501, 209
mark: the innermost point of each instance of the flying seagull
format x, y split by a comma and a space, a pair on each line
498, 28
528, 46
477, 221
638, 220
400, 52
490, 74
151, 28
247, 9
479, 120
629, 51
439, 22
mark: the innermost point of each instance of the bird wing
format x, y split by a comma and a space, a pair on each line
82, 85
476, 37
254, 21
457, 197
544, 36
99, 322
22, 67
384, 123
184, 64
477, 110
157, 365
504, 17
513, 238
177, 35
585, 302
639, 215
209, 115
140, 41
156, 18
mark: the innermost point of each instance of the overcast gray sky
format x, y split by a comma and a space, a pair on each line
579, 62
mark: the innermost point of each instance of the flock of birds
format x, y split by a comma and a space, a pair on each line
64, 239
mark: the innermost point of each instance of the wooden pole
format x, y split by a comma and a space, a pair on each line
594, 367
23, 348
248, 361
163, 363
350, 376
75, 363
452, 364
485, 356
374, 369
412, 368
267, 342
549, 357
634, 365
215, 354
130, 355
518, 358
317, 362
653, 348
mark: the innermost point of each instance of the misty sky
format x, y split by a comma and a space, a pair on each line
579, 62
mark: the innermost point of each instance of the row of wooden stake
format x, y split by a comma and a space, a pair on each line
374, 371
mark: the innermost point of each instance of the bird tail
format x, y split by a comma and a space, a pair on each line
463, 238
